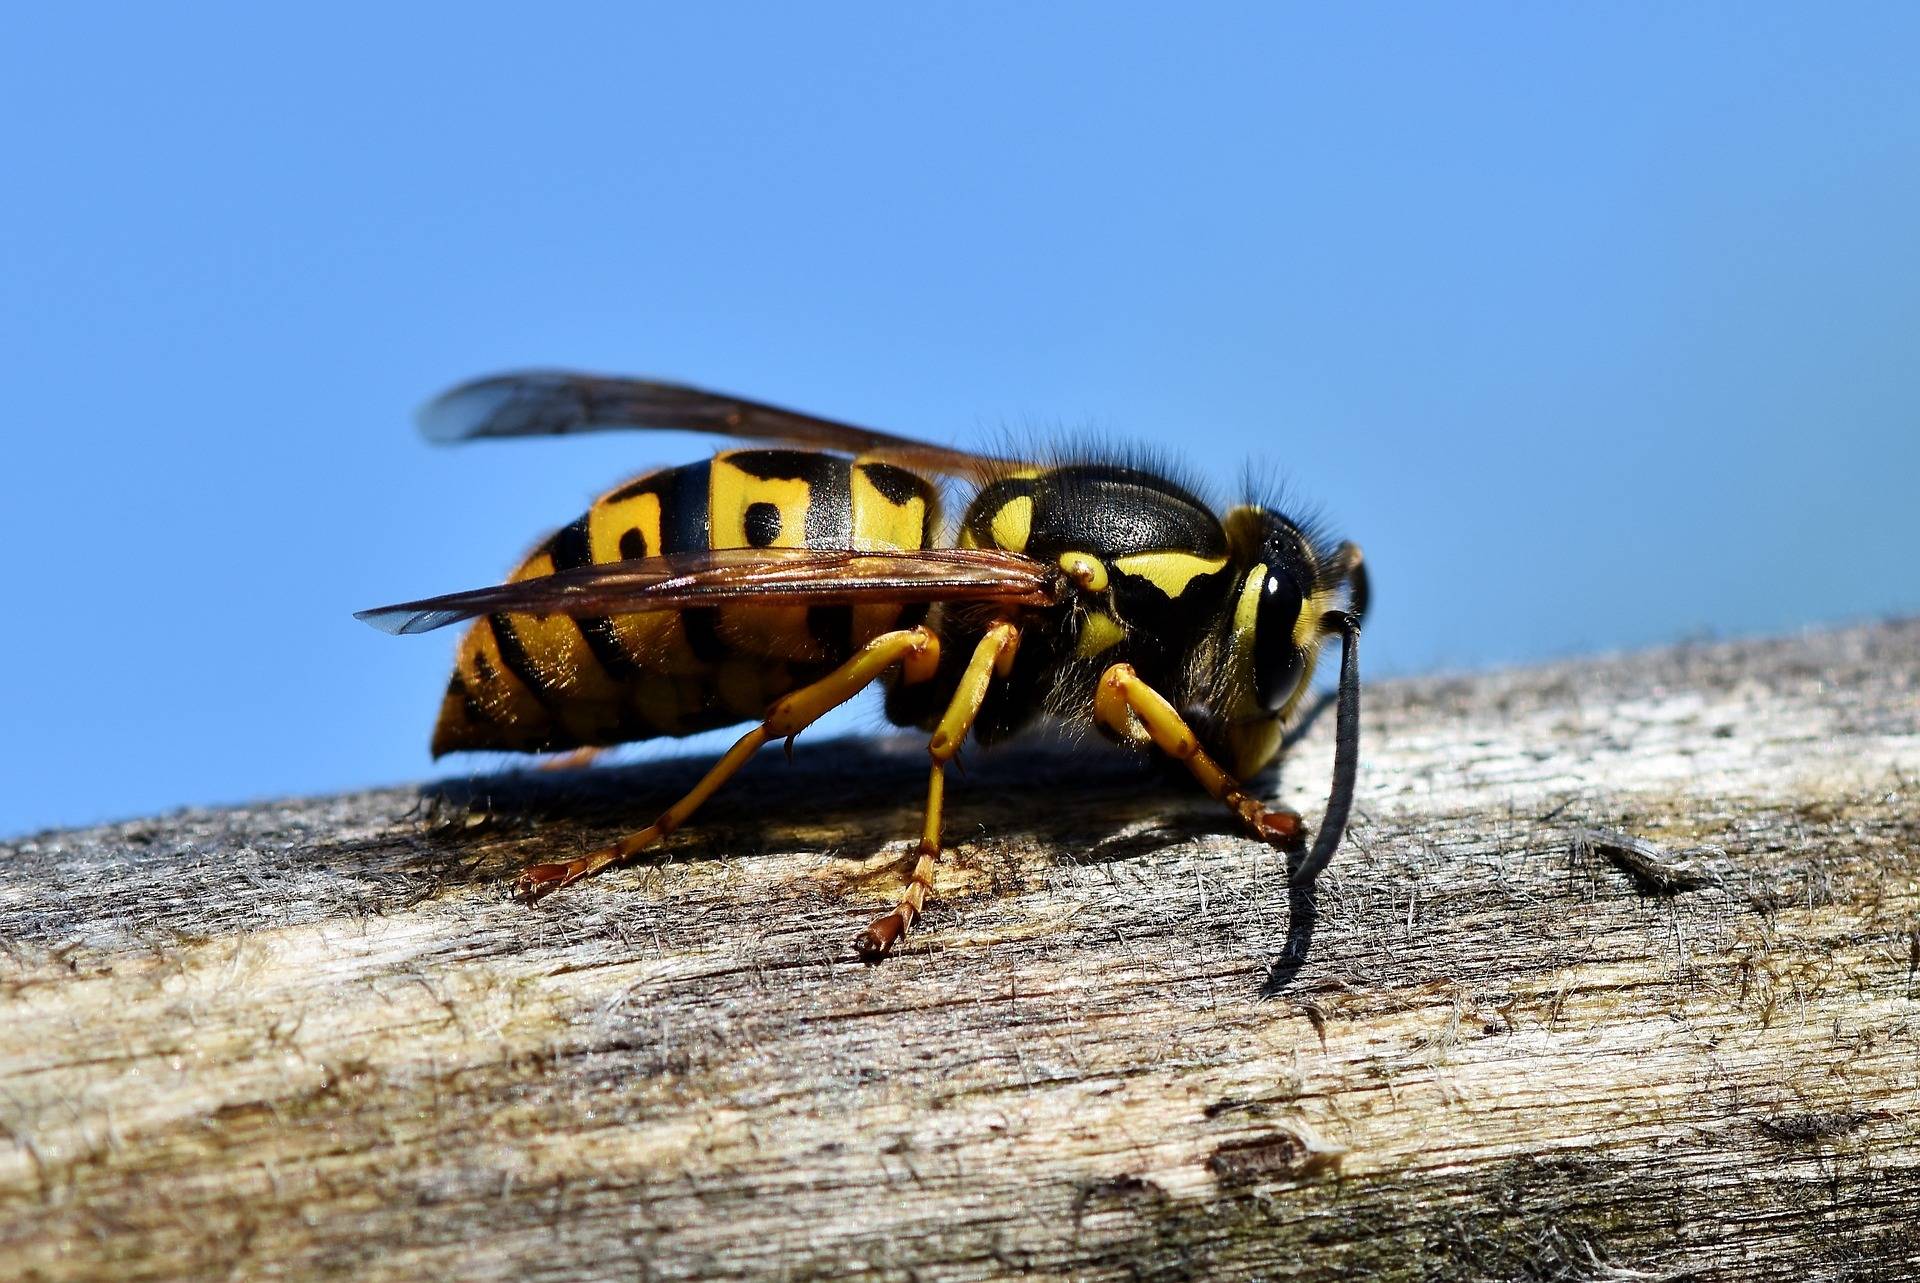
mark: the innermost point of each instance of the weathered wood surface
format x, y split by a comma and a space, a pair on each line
314, 1039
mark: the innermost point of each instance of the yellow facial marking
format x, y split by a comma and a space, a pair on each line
1247, 609
1099, 633
1013, 524
1246, 613
1170, 572
1084, 569
1306, 629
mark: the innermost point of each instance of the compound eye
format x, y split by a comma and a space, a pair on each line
1276, 660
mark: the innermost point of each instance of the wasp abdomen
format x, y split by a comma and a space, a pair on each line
547, 683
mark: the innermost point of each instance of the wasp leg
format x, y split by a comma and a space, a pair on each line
917, 650
574, 760
993, 657
1128, 706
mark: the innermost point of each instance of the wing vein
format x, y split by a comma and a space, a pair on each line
824, 576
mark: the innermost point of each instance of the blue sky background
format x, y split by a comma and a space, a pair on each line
1596, 327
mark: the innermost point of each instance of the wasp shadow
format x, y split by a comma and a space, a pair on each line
1303, 915
1088, 802
865, 789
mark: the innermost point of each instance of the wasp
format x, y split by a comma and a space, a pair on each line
773, 583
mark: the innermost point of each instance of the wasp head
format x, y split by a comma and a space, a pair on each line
1289, 578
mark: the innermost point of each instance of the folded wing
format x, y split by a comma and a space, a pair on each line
537, 403
787, 576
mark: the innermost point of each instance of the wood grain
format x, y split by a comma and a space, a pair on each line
313, 1038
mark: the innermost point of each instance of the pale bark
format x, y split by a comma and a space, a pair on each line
313, 1038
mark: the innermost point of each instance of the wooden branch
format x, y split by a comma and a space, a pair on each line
313, 1039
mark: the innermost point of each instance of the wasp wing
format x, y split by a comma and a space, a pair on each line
787, 576
538, 403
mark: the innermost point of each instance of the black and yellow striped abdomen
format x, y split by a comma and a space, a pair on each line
533, 684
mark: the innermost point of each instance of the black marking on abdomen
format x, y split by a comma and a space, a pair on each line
762, 521
782, 465
830, 503
649, 484
684, 528
896, 485
471, 708
702, 627
830, 525
633, 544
570, 548
683, 509
514, 655
604, 641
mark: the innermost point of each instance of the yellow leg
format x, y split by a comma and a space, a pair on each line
575, 760
993, 657
916, 650
1126, 705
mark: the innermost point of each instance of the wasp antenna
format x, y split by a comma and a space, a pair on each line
1359, 593
1346, 748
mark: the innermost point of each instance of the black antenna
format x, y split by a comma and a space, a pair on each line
1346, 747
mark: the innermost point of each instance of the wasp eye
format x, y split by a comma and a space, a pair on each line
1276, 660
